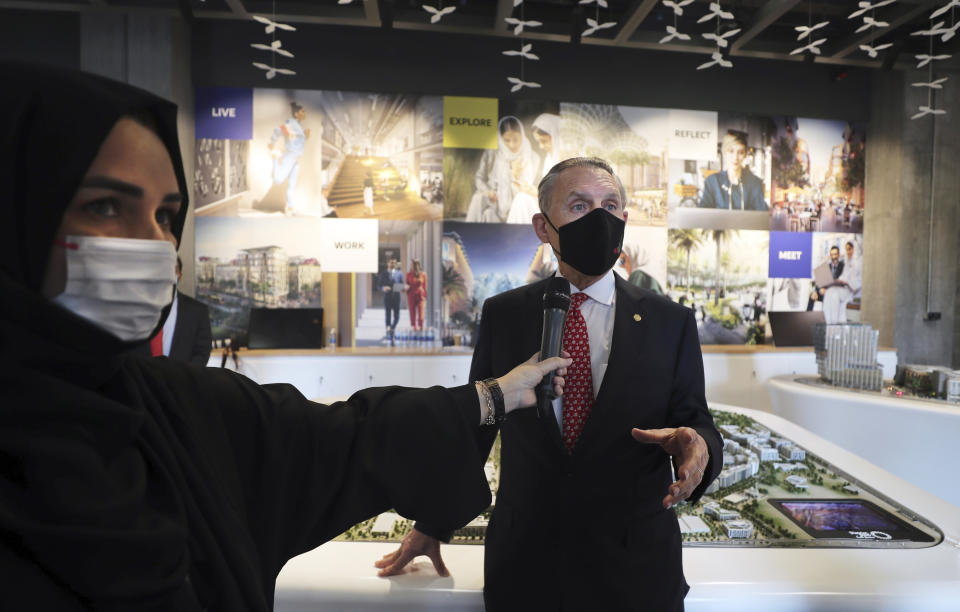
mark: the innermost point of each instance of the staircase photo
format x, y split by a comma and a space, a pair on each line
348, 188
392, 199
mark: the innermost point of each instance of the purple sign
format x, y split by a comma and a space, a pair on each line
224, 113
790, 255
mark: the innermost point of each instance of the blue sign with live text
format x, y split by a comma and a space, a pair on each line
790, 255
224, 113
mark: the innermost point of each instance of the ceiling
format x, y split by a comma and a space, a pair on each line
766, 26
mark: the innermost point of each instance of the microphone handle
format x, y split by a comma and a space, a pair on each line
551, 343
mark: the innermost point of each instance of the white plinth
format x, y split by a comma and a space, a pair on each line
340, 576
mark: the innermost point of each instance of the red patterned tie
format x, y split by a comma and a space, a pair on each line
156, 344
578, 388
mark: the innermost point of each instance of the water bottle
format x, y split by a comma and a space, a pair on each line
332, 339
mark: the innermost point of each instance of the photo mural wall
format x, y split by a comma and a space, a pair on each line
428, 202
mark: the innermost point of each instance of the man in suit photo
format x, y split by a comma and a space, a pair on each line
836, 269
389, 278
583, 517
186, 335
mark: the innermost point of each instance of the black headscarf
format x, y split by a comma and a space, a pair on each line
131, 483
80, 497
52, 123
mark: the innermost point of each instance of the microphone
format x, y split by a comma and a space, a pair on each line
556, 303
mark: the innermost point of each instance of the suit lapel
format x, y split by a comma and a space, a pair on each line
179, 324
625, 343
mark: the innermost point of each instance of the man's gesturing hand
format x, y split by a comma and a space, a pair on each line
691, 454
414, 544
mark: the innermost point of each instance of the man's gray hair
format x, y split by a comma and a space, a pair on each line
545, 189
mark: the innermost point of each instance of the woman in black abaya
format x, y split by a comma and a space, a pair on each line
130, 483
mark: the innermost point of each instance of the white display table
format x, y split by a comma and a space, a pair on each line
340, 576
914, 439
733, 374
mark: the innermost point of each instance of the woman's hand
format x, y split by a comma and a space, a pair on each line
519, 383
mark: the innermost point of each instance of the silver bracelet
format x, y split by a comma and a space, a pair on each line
488, 400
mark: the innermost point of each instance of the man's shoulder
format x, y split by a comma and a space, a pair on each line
658, 306
189, 303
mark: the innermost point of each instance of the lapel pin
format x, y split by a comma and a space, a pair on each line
637, 317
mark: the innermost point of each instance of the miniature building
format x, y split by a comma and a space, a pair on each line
953, 387
792, 452
798, 481
738, 529
384, 523
766, 453
847, 355
715, 510
692, 524
739, 463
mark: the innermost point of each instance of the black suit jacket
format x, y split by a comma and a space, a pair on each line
588, 531
836, 272
191, 335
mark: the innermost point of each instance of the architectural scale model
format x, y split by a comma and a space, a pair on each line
771, 492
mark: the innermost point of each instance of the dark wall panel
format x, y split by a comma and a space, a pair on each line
371, 59
44, 37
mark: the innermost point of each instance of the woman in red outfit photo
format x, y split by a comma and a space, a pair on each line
416, 293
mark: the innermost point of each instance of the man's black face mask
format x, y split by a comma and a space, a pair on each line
592, 243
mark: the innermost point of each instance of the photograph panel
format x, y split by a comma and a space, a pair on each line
480, 260
499, 185
818, 171
643, 261
331, 154
730, 188
833, 259
839, 257
722, 276
267, 263
399, 304
634, 141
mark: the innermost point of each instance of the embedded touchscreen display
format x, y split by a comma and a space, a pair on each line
856, 519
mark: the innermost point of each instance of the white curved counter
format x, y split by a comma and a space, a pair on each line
914, 439
732, 374
340, 575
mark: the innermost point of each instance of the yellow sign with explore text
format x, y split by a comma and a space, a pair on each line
470, 123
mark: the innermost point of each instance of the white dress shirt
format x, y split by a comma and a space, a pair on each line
598, 313
169, 326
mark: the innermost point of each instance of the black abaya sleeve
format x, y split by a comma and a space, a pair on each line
307, 472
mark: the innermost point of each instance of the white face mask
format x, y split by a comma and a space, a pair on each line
120, 284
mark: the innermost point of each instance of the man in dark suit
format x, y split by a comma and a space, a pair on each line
186, 334
388, 280
836, 269
582, 518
